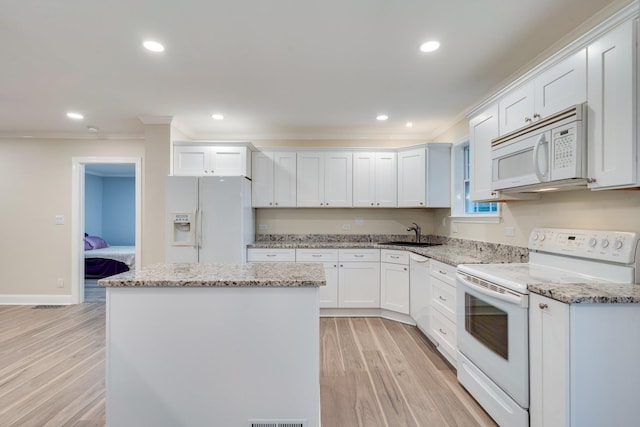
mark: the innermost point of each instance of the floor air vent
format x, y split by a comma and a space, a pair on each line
47, 306
277, 423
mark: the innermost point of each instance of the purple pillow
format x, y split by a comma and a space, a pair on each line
96, 242
87, 245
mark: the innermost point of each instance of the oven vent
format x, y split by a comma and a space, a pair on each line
277, 423
489, 285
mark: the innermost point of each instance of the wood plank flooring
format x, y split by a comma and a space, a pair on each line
374, 372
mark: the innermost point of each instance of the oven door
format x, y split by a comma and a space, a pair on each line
524, 161
492, 332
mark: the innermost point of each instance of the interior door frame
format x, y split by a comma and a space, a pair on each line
78, 220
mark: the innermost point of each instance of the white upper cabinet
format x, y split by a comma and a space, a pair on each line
424, 176
374, 179
612, 120
482, 129
324, 179
274, 179
559, 87
211, 160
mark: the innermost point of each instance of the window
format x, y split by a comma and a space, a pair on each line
463, 206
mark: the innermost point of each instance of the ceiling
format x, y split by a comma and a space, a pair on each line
277, 69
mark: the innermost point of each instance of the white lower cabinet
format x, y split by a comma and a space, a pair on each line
394, 281
271, 255
359, 278
581, 363
329, 259
443, 309
420, 292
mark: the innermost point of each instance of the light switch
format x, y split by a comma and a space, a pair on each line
59, 219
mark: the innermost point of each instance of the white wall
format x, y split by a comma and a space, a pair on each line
35, 186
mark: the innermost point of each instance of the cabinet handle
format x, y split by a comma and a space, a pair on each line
378, 204
393, 256
321, 204
341, 265
443, 272
536, 115
326, 204
543, 306
270, 203
591, 180
371, 204
335, 265
358, 256
421, 203
442, 332
271, 255
276, 203
527, 119
206, 171
316, 255
442, 299
405, 269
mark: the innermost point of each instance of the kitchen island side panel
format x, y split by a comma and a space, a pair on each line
212, 355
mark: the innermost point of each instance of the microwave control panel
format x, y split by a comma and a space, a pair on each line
615, 246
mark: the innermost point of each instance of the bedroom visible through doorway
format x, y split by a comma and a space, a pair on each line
106, 222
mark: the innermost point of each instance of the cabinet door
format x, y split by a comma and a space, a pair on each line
394, 287
411, 178
359, 285
284, 179
329, 292
310, 179
262, 183
482, 129
364, 179
438, 184
516, 109
562, 86
229, 161
612, 109
338, 179
549, 362
386, 180
191, 161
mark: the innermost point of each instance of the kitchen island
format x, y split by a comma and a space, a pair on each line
213, 344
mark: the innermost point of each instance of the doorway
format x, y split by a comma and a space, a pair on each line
109, 235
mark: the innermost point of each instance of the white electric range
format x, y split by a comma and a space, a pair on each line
492, 306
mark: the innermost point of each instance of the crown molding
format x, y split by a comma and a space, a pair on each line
156, 120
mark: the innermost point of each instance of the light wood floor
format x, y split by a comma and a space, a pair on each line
374, 372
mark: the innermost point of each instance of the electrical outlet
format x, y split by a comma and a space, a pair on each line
60, 282
59, 219
263, 227
346, 226
509, 232
359, 220
454, 228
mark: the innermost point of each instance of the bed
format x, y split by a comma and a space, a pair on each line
102, 260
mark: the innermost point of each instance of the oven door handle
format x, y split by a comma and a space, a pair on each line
522, 301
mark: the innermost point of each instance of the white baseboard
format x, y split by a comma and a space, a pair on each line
367, 312
35, 300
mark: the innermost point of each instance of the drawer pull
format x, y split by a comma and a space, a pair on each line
442, 272
271, 255
316, 255
394, 256
442, 332
359, 256
405, 269
442, 299
543, 306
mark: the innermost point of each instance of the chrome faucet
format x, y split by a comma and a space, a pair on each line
416, 229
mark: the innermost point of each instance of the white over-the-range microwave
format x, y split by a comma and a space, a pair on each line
546, 155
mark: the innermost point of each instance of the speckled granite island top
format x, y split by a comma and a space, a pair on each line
231, 275
589, 293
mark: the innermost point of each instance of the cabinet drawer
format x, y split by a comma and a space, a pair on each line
316, 255
444, 331
444, 298
358, 255
271, 255
394, 257
444, 272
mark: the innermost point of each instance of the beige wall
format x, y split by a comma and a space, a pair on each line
606, 210
330, 221
35, 186
339, 143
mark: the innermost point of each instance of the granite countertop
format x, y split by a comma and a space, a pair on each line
589, 293
233, 275
448, 254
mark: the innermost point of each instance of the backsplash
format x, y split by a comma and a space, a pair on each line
476, 248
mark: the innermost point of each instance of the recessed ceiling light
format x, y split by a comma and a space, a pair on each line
409, 124
382, 117
429, 46
217, 116
75, 116
92, 128
153, 46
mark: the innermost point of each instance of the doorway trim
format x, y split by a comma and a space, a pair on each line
77, 216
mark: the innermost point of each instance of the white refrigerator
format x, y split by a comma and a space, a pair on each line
209, 219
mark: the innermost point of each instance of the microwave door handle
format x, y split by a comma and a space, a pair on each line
536, 163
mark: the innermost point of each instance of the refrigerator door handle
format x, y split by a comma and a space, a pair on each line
199, 229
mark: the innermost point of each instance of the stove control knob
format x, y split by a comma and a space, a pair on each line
605, 243
618, 245
535, 236
593, 242
542, 237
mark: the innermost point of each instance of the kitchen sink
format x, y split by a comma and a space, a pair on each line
410, 244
